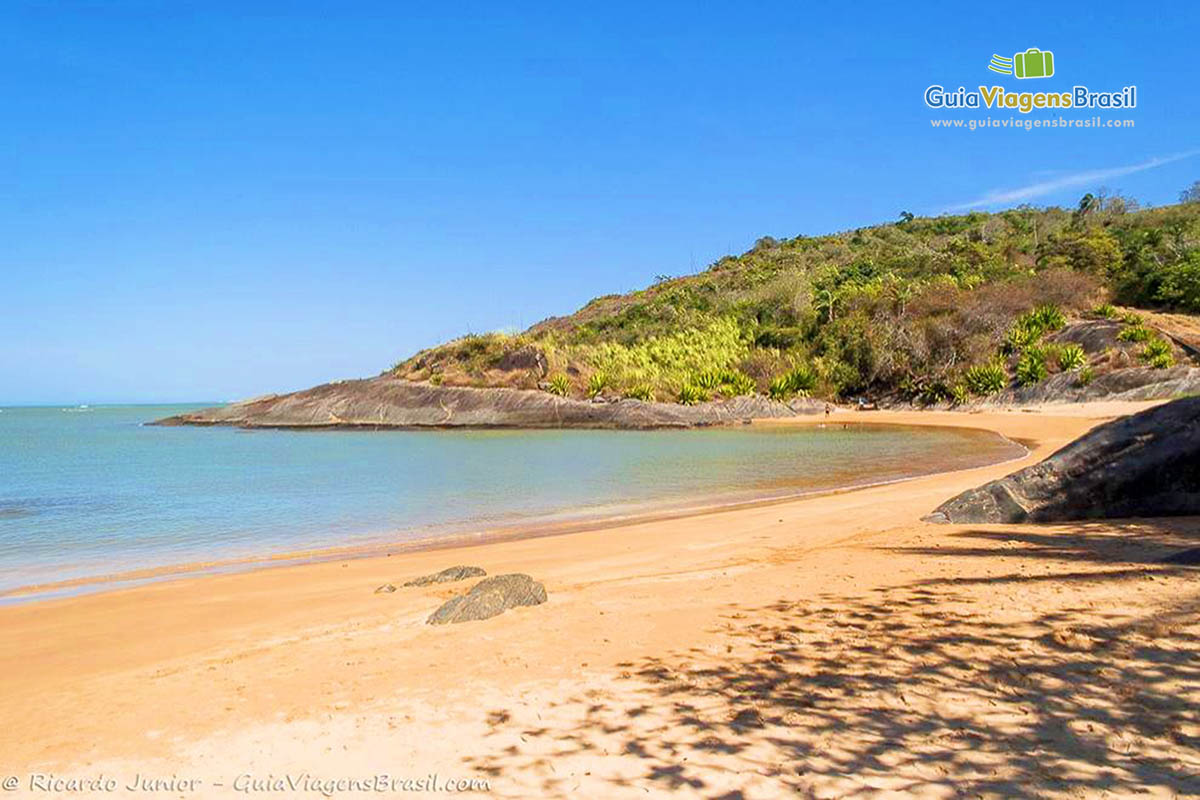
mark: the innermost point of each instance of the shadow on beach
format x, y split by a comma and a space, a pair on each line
1078, 675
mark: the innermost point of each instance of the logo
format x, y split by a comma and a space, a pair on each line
1033, 63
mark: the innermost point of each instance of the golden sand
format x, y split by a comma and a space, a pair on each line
829, 646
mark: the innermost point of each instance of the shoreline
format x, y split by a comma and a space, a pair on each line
461, 535
798, 633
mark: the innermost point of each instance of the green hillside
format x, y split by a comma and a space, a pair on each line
928, 308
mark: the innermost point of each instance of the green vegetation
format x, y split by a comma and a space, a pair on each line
1020, 336
1136, 333
1157, 353
559, 385
668, 360
914, 309
1029, 328
1180, 286
1071, 356
709, 380
738, 384
690, 394
797, 382
642, 391
1032, 367
985, 379
726, 382
597, 384
1047, 318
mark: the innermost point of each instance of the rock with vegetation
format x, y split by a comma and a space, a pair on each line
891, 311
953, 309
1144, 465
489, 598
448, 575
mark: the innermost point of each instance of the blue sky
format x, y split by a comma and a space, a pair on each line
213, 200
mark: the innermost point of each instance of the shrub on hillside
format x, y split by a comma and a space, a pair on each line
736, 384
1180, 286
936, 391
1020, 336
1071, 356
597, 384
1048, 317
986, 379
1031, 367
709, 380
1135, 333
799, 380
1157, 353
669, 360
690, 395
641, 391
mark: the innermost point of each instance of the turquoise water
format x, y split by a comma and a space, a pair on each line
87, 492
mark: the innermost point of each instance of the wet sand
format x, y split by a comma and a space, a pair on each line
826, 646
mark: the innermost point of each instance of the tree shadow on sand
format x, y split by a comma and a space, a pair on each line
996, 686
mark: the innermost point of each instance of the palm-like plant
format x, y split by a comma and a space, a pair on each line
559, 385
826, 303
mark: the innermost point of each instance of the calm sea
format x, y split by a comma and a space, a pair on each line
93, 491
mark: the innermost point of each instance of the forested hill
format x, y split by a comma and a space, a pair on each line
922, 308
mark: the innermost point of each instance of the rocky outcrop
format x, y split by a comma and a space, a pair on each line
1119, 374
387, 402
1144, 465
1134, 383
489, 598
448, 575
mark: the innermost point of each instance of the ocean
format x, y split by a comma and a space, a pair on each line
93, 491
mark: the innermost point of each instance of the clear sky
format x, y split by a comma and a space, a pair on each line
208, 200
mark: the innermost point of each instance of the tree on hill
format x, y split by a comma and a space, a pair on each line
1190, 194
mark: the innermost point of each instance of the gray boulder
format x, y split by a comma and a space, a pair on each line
1144, 465
447, 575
489, 598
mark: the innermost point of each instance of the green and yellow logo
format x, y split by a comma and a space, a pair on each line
1033, 63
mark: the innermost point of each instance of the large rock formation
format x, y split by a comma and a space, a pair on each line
1145, 465
1132, 383
387, 402
489, 598
1120, 374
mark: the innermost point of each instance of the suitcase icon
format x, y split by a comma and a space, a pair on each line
1033, 63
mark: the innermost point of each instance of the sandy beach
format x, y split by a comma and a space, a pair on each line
830, 646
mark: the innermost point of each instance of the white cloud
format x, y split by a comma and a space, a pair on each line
1087, 178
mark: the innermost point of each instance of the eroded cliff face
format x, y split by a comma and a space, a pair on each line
1144, 465
387, 402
